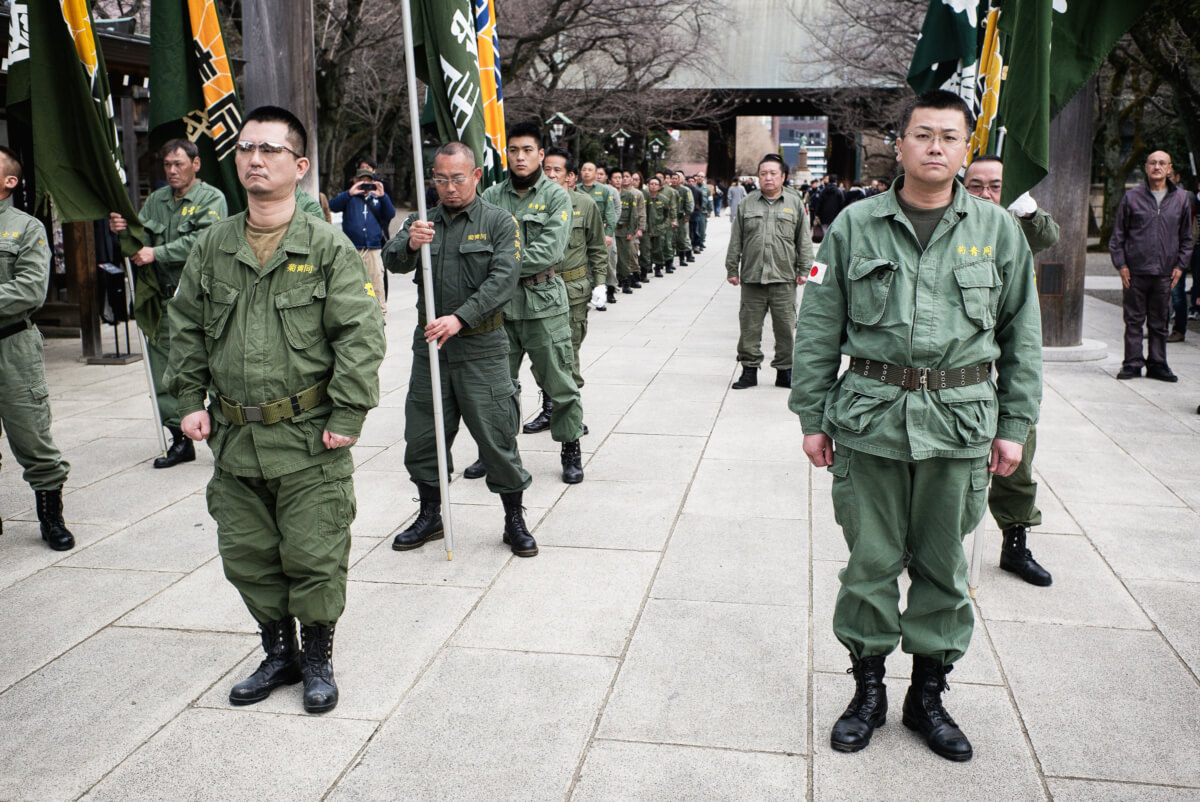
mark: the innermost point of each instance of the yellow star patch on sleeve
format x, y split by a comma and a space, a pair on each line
368, 289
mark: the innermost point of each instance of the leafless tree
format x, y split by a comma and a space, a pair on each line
138, 10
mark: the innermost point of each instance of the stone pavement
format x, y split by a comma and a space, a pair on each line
672, 641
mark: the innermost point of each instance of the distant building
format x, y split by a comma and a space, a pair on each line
802, 142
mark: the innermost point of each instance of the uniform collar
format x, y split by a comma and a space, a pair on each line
5, 204
888, 204
472, 211
533, 190
196, 185
297, 239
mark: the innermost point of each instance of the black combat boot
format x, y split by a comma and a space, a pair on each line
867, 710
54, 528
625, 288
691, 257
320, 691
572, 463
923, 711
1014, 557
428, 524
669, 265
182, 450
646, 275
749, 378
634, 281
475, 470
611, 293
282, 666
783, 378
516, 535
542, 422
658, 271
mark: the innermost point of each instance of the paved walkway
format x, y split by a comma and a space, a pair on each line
671, 642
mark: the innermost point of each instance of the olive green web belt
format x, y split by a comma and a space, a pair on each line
571, 275
491, 324
920, 378
274, 411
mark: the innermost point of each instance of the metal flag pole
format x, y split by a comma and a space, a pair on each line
158, 424
976, 567
435, 372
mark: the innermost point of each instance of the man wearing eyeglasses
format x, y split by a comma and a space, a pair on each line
925, 288
276, 326
1012, 499
1151, 245
173, 217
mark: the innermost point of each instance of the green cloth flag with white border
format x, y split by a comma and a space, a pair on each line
949, 40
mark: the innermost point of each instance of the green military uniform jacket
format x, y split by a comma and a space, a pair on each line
658, 214
1040, 230
627, 222
640, 203
967, 299
544, 216
670, 199
24, 264
173, 226
475, 257
604, 203
258, 334
706, 192
308, 204
770, 242
585, 248
684, 204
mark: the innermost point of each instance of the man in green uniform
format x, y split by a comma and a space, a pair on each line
626, 231
685, 203
24, 396
1013, 499
608, 211
671, 201
770, 253
277, 325
658, 225
475, 255
537, 318
925, 288
174, 217
706, 192
644, 256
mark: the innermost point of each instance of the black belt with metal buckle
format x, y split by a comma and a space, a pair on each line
920, 378
538, 278
15, 328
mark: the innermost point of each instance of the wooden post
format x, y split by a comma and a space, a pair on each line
1064, 193
281, 65
79, 251
129, 149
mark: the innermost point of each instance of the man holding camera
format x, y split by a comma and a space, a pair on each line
366, 210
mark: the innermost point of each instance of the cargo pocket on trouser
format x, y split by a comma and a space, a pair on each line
975, 503
315, 507
845, 503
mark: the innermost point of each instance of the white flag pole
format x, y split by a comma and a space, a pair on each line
435, 373
158, 424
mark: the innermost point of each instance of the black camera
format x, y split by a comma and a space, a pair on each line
369, 185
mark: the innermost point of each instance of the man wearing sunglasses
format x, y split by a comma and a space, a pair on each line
276, 326
173, 217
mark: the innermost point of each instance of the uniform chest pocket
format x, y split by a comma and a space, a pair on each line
220, 298
301, 309
532, 225
477, 256
577, 235
752, 222
980, 288
9, 251
870, 282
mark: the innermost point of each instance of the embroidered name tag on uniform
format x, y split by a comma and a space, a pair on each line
817, 274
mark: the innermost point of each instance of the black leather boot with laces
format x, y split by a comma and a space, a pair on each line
923, 711
320, 691
516, 535
282, 666
1016, 558
428, 524
866, 711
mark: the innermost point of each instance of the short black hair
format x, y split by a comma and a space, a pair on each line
12, 162
563, 154
526, 129
936, 99
367, 160
455, 148
774, 158
277, 114
987, 157
186, 145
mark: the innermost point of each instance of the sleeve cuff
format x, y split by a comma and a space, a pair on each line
190, 404
811, 424
1012, 429
346, 422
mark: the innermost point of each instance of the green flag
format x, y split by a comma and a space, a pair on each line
949, 40
192, 93
1076, 37
447, 61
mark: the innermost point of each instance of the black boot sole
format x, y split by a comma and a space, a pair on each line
317, 709
243, 701
171, 462
438, 535
957, 757
851, 748
1032, 580
520, 552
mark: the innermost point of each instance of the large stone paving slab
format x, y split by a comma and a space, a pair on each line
713, 674
750, 488
485, 725
1173, 607
1103, 703
67, 725
646, 458
1144, 542
204, 600
180, 538
1092, 791
613, 514
23, 552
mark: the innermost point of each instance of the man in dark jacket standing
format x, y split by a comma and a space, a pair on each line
1150, 245
366, 210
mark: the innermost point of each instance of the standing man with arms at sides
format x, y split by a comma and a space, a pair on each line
707, 192
537, 318
737, 193
277, 325
685, 203
174, 217
770, 253
671, 201
925, 287
614, 194
1150, 245
475, 254
1013, 499
366, 211
24, 396
608, 211
658, 226
645, 259
627, 271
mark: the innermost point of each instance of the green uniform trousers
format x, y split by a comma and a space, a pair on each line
683, 242
579, 321
25, 410
886, 507
625, 261
547, 340
611, 278
285, 542
702, 227
646, 259
168, 407
757, 299
1013, 499
658, 249
478, 392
